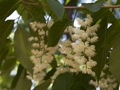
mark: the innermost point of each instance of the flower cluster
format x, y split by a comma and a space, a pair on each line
42, 55
80, 49
106, 82
77, 50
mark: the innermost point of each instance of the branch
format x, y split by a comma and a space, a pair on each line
82, 7
69, 7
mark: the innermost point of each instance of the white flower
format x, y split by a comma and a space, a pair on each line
71, 29
80, 60
89, 52
36, 39
41, 25
75, 37
93, 39
42, 32
88, 21
31, 39
35, 45
84, 36
81, 22
91, 63
50, 23
33, 25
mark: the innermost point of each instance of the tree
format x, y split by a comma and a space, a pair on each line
87, 58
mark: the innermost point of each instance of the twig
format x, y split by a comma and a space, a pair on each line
32, 3
82, 7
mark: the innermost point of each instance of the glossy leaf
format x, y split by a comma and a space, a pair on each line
94, 7
22, 48
20, 82
44, 85
56, 31
5, 30
63, 82
56, 8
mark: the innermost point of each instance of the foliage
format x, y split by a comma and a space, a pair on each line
15, 51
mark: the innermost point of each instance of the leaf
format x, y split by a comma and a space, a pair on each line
101, 50
5, 50
77, 86
82, 82
24, 14
35, 13
94, 7
20, 82
103, 13
104, 16
56, 31
44, 85
63, 82
5, 30
115, 60
49, 74
7, 67
23, 48
56, 7
6, 8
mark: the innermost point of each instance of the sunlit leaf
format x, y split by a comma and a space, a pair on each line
94, 7
22, 48
56, 31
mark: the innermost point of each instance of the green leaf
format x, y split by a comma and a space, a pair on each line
49, 74
6, 8
44, 85
101, 49
7, 67
77, 86
63, 82
115, 60
82, 82
118, 2
23, 48
104, 16
5, 30
94, 7
5, 51
56, 8
24, 14
20, 82
35, 13
56, 31
103, 13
